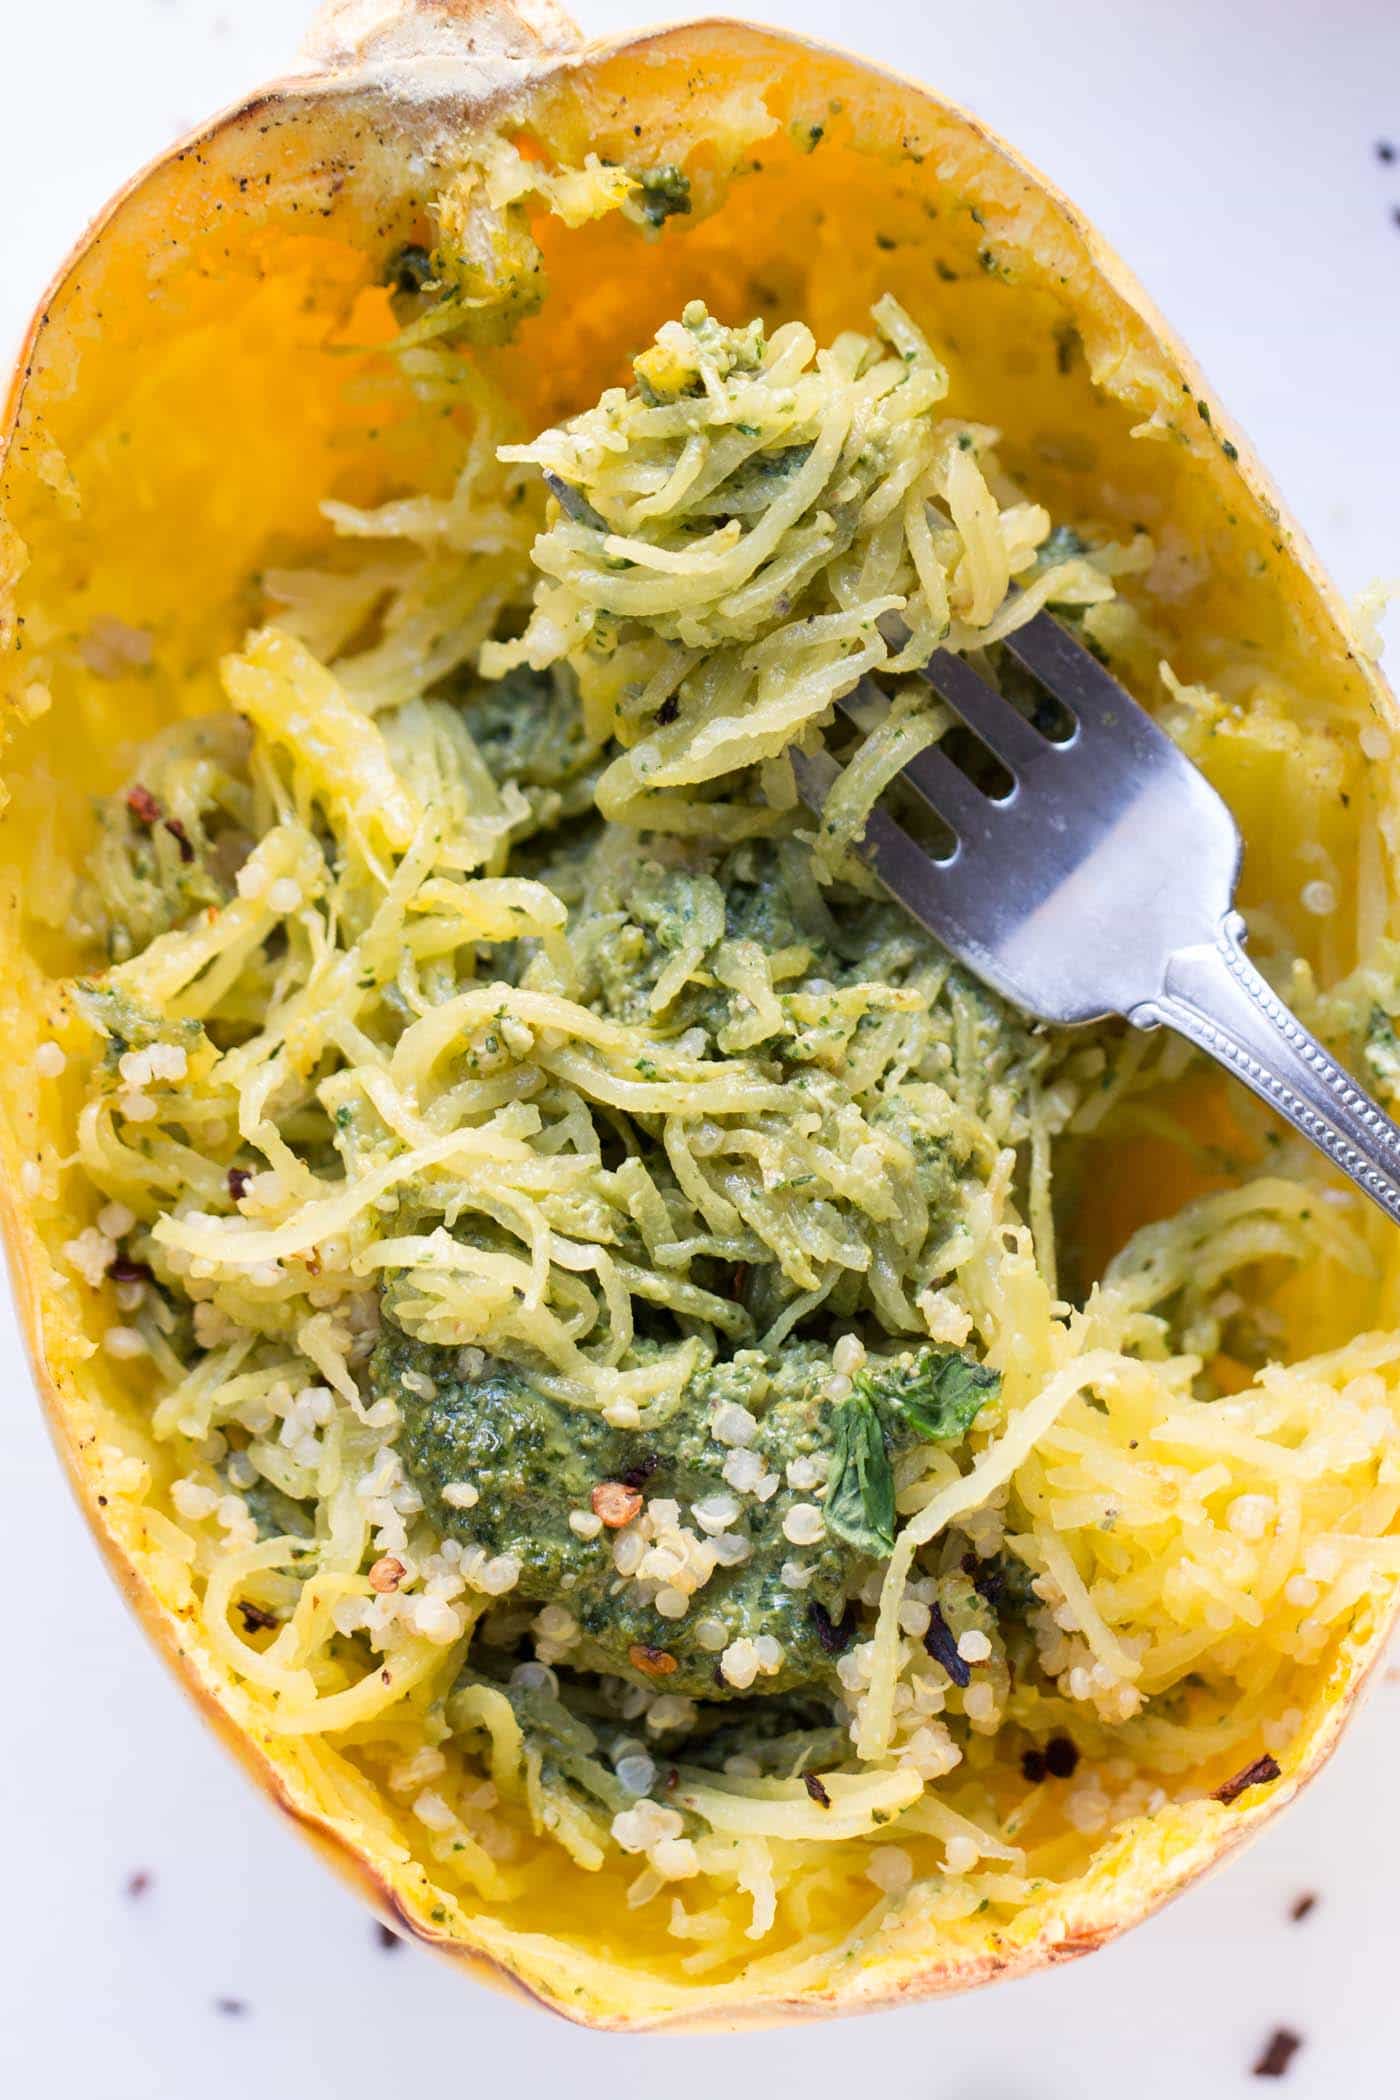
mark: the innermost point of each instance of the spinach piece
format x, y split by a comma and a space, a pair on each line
860, 1493
931, 1397
938, 1396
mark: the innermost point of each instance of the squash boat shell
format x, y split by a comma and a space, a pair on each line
384, 83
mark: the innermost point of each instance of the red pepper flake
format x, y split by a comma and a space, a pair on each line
137, 1884
255, 1619
1277, 2053
387, 1938
1262, 1772
653, 1662
125, 1270
182, 838
143, 805
741, 1277
943, 1648
238, 1179
1302, 1906
815, 1788
232, 2008
616, 1504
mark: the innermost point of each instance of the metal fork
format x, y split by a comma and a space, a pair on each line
1102, 882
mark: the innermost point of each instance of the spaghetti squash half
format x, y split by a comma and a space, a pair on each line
720, 1468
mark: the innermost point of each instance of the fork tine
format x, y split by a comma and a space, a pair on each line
985, 712
952, 796
944, 786
907, 870
1078, 680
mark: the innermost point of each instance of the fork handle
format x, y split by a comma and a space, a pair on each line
1213, 995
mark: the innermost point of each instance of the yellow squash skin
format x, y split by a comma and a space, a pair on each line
203, 372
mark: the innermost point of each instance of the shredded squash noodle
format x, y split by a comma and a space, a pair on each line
620, 1303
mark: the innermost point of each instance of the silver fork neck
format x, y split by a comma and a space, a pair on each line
1213, 995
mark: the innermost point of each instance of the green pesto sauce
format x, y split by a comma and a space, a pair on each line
126, 1025
1381, 1050
277, 1515
533, 1460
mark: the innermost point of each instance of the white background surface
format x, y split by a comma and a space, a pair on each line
1228, 147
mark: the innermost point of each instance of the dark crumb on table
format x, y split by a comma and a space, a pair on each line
1262, 1772
386, 1937
138, 1883
232, 2008
1301, 1906
1277, 2053
1385, 151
